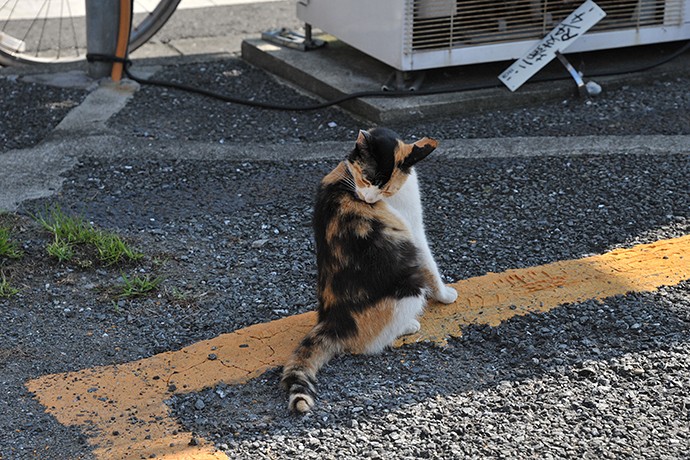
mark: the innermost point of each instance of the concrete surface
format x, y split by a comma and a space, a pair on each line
337, 70
36, 172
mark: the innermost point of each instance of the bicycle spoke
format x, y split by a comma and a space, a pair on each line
43, 29
28, 28
59, 47
33, 21
11, 12
74, 29
142, 5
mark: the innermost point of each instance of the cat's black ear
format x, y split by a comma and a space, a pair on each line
418, 151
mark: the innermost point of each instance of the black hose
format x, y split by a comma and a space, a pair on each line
377, 93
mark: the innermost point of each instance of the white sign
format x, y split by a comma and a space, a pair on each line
565, 33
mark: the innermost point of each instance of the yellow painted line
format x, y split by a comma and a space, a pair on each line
495, 297
121, 407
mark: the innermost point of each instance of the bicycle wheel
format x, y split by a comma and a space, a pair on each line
54, 31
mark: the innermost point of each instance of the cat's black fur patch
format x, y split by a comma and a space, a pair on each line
378, 155
417, 154
298, 383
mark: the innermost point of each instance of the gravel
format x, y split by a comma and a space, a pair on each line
587, 380
29, 111
659, 107
232, 241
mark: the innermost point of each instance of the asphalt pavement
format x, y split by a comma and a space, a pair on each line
218, 199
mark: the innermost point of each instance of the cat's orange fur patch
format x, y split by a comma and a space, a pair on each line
395, 183
363, 228
328, 297
401, 152
336, 174
404, 150
358, 175
370, 322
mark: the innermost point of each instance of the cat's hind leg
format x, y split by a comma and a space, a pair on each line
402, 321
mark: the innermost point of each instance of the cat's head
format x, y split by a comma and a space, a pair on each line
381, 162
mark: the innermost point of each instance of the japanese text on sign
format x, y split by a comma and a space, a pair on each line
562, 36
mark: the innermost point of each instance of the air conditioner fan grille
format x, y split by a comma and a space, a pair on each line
444, 24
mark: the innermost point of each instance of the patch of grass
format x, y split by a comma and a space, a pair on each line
61, 250
5, 289
138, 286
111, 249
73, 230
8, 248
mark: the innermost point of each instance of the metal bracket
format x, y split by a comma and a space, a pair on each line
290, 39
399, 81
589, 88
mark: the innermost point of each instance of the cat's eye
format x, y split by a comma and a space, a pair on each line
379, 180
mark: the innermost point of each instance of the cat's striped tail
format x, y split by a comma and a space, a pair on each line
299, 373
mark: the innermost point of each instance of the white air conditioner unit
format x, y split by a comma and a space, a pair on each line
424, 34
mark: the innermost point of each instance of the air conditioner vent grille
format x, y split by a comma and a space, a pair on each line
446, 24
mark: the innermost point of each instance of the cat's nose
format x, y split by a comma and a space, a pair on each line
367, 196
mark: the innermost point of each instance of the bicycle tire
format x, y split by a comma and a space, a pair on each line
144, 30
12, 52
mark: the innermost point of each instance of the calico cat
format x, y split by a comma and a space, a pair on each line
375, 268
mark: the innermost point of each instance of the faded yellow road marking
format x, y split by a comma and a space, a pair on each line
495, 297
122, 406
122, 409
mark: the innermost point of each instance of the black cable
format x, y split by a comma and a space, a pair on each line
663, 61
95, 57
376, 93
318, 106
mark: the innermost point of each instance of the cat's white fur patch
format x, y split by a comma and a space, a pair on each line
300, 402
408, 204
369, 194
404, 322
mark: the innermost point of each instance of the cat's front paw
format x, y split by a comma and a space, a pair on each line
446, 294
411, 328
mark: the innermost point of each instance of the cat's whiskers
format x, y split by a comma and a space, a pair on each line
347, 179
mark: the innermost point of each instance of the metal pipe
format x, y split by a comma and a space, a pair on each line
102, 23
125, 25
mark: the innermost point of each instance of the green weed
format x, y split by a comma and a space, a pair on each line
61, 250
138, 286
5, 289
8, 248
111, 249
73, 230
